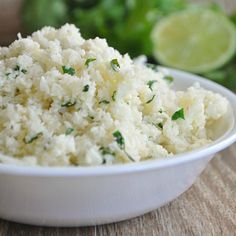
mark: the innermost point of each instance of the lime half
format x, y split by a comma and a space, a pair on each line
196, 40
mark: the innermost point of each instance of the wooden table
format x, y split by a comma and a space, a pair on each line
207, 208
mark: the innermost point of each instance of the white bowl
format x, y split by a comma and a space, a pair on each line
79, 196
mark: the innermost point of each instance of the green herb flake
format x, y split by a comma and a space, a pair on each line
121, 142
131, 158
160, 125
119, 139
113, 97
169, 78
115, 64
69, 131
150, 83
68, 104
33, 138
24, 71
91, 117
152, 66
86, 88
68, 70
104, 101
17, 68
149, 101
178, 115
106, 151
89, 60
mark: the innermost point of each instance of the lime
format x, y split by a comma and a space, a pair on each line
196, 40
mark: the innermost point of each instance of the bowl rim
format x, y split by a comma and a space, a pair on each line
228, 138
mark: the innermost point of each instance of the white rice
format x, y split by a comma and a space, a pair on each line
51, 118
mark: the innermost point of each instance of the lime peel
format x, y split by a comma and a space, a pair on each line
195, 40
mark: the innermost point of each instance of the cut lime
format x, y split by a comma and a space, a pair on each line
196, 40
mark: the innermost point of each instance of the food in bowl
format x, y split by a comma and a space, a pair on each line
67, 101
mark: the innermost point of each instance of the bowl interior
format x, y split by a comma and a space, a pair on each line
224, 134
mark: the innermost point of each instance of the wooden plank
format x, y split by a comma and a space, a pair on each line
207, 208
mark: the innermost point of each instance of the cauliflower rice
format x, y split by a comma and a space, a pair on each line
69, 101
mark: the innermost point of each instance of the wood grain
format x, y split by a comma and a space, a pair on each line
207, 208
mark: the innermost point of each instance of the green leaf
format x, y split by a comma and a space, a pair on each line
17, 68
104, 101
89, 60
69, 131
159, 125
150, 83
115, 64
119, 139
7, 75
86, 88
68, 104
169, 78
113, 97
33, 138
121, 142
178, 115
152, 66
150, 100
24, 71
106, 151
68, 70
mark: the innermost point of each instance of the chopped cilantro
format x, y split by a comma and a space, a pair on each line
178, 115
121, 142
113, 97
131, 158
106, 151
119, 139
68, 104
33, 138
24, 71
150, 83
89, 60
150, 100
169, 78
68, 70
69, 131
160, 125
115, 64
151, 66
91, 117
104, 101
17, 68
86, 88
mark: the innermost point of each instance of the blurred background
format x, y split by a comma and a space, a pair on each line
126, 24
